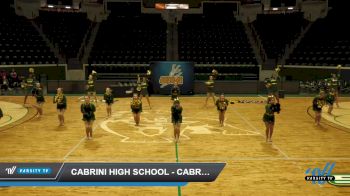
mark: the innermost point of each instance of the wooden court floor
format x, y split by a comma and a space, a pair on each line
253, 166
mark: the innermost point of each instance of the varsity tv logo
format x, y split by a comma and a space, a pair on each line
11, 170
321, 176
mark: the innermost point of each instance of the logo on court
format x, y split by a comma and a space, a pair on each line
11, 170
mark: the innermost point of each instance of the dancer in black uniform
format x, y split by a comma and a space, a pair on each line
136, 108
330, 98
90, 86
210, 89
175, 91
144, 91
317, 104
269, 116
176, 118
61, 101
88, 109
39, 95
108, 97
222, 104
29, 84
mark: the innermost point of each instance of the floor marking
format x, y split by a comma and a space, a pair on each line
13, 112
78, 144
252, 126
161, 125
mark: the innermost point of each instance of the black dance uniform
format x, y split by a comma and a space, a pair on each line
318, 103
176, 114
144, 88
88, 110
222, 105
270, 110
61, 101
136, 106
175, 92
108, 98
330, 98
39, 95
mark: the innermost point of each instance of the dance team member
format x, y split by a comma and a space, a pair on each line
336, 87
210, 89
330, 98
176, 118
29, 84
317, 105
39, 95
269, 116
108, 97
138, 87
88, 110
136, 108
90, 86
175, 91
144, 90
272, 87
61, 101
222, 104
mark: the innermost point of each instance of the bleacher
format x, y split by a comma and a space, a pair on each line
20, 43
276, 31
327, 43
128, 36
214, 39
65, 30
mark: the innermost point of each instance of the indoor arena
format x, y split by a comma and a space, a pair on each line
148, 97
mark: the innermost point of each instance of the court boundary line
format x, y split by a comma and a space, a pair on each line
328, 124
79, 143
258, 131
29, 119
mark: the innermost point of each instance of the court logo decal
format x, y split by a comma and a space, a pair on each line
156, 128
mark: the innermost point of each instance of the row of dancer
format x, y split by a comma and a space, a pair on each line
88, 109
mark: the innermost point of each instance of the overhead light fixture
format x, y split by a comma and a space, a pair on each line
68, 7
50, 6
290, 8
274, 8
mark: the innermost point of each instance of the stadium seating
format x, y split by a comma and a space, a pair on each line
277, 31
327, 43
128, 36
20, 43
130, 39
64, 29
214, 39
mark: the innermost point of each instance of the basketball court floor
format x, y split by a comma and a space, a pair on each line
253, 166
